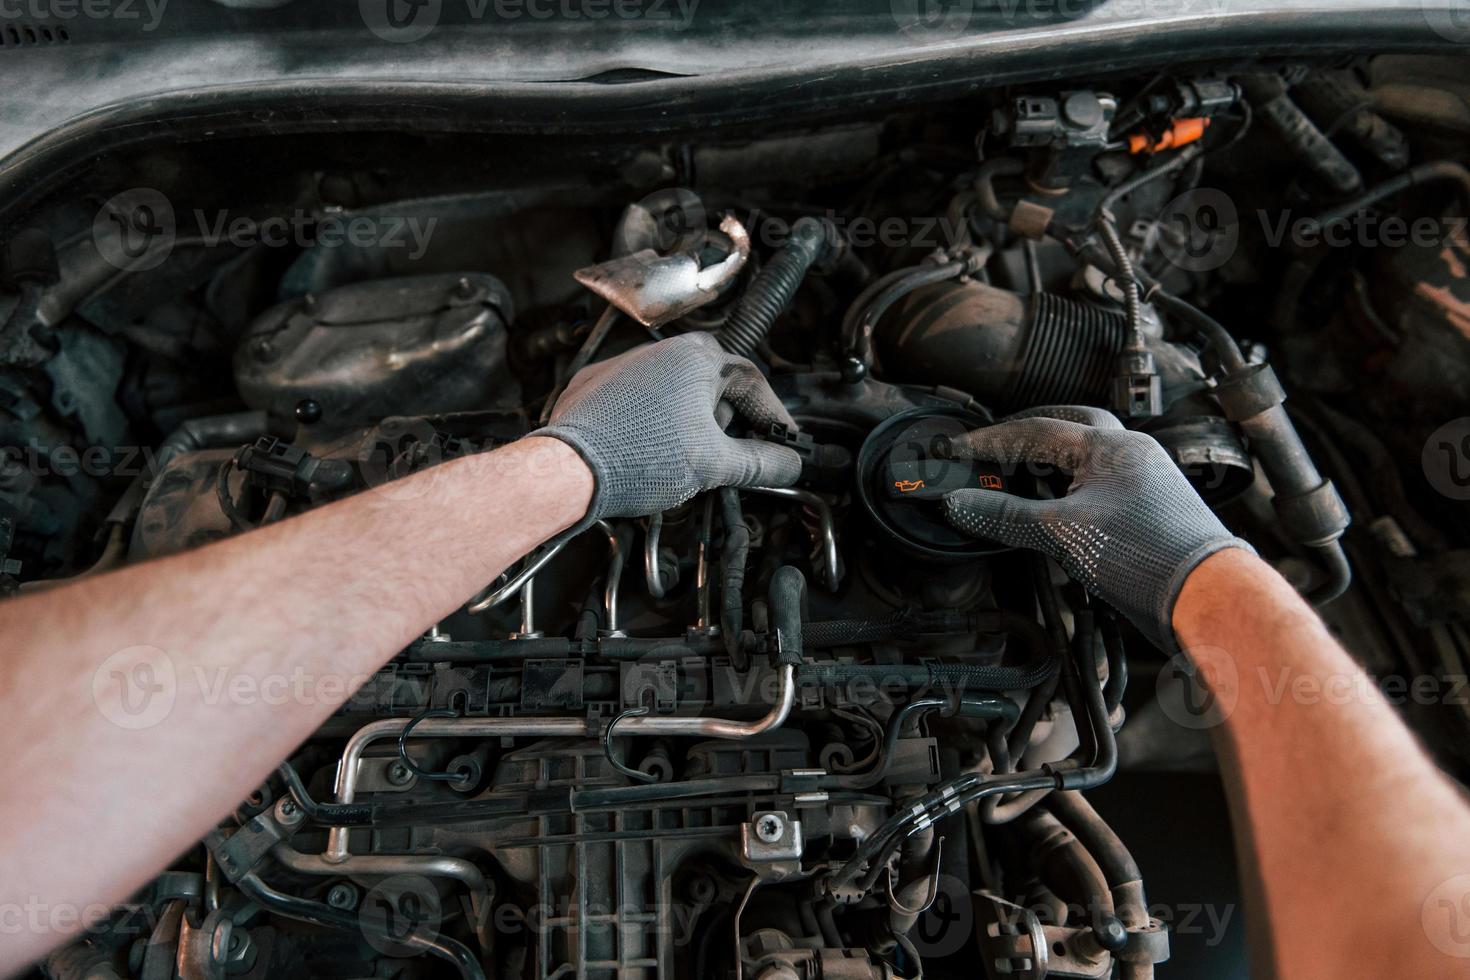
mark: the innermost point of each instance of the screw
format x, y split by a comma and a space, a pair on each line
465, 289
399, 774
342, 896
769, 828
288, 814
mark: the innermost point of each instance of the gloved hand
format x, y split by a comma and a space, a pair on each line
650, 425
1130, 528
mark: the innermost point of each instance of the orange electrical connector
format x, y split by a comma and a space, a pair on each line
1180, 132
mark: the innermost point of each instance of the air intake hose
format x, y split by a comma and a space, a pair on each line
1007, 350
772, 289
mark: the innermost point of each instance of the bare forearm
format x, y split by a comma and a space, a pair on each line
159, 696
1345, 825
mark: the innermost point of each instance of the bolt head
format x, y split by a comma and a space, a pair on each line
342, 896
769, 828
288, 813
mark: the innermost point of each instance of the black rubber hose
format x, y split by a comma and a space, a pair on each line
989, 708
786, 598
304, 910
1424, 173
1219, 339
985, 194
1117, 683
732, 583
774, 286
1102, 741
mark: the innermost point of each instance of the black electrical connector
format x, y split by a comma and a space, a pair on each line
823, 465
273, 466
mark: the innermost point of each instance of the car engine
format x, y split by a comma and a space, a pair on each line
785, 733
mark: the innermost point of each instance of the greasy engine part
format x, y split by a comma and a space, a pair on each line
654, 289
357, 352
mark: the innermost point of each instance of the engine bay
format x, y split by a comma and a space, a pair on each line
760, 735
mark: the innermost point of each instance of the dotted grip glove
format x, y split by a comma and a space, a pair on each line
650, 425
1130, 528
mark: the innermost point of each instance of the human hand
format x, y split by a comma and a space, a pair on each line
1130, 528
650, 425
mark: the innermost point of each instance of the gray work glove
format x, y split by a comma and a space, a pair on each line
1130, 528
650, 425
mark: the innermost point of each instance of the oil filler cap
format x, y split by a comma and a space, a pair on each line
904, 470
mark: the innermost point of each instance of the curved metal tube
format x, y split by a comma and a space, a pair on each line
347, 768
701, 563
652, 573
719, 727
617, 542
509, 589
429, 865
824, 517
